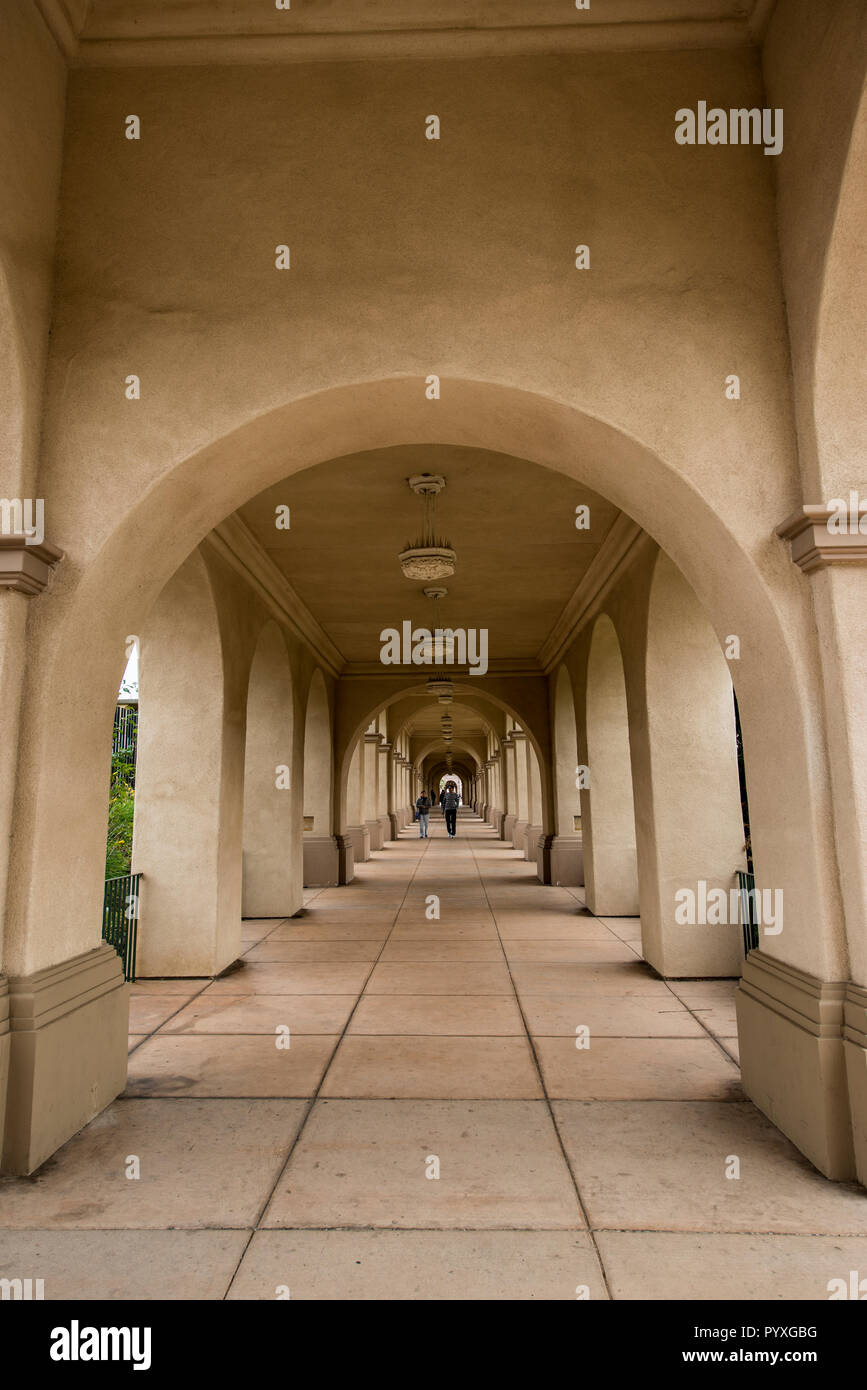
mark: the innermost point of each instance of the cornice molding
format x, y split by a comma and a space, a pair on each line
814, 546
64, 20
614, 556
235, 542
153, 48
369, 670
26, 568
760, 18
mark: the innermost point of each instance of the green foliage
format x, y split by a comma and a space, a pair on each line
121, 807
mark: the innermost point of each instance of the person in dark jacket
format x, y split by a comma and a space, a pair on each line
422, 807
450, 801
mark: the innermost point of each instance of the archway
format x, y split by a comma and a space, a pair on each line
742, 590
107, 592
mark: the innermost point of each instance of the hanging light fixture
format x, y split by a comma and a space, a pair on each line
431, 556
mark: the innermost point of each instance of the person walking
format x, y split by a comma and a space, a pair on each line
450, 801
422, 807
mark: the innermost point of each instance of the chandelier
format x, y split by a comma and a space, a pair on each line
431, 556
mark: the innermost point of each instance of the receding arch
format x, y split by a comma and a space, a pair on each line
610, 858
530, 710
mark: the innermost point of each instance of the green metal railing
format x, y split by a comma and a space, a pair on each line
749, 915
120, 914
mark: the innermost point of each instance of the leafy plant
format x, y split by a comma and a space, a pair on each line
121, 808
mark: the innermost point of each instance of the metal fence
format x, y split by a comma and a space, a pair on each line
749, 913
120, 915
125, 730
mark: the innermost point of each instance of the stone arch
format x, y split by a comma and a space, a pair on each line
734, 569
272, 806
608, 815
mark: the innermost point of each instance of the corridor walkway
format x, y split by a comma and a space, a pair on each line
431, 1130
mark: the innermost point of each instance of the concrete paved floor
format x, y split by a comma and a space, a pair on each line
420, 1046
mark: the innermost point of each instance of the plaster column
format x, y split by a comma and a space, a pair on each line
189, 787
534, 791
356, 830
499, 814
566, 849
522, 800
272, 829
793, 1025
608, 816
393, 814
689, 824
370, 801
509, 777
383, 796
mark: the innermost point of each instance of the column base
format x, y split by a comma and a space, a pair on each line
531, 837
321, 861
359, 836
543, 857
792, 1059
567, 861
345, 860
394, 822
509, 827
385, 827
375, 838
855, 1052
497, 820
519, 835
68, 1053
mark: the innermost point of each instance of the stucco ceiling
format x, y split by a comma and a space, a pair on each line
512, 523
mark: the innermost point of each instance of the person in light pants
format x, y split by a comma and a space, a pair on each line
422, 807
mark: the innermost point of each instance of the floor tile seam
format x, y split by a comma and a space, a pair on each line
146, 1037
682, 1002
331, 1033
600, 1229
547, 1101
312, 1100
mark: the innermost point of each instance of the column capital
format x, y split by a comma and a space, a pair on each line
816, 543
26, 568
385, 746
373, 738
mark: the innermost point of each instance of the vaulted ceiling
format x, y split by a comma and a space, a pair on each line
520, 556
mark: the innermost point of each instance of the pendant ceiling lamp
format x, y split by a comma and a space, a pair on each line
431, 556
